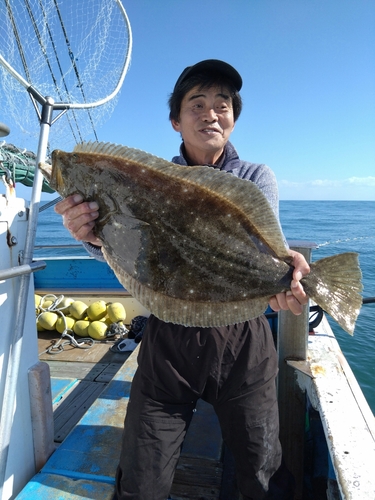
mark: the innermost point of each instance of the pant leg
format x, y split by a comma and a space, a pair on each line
151, 444
248, 413
253, 439
172, 369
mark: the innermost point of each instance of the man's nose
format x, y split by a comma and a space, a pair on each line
209, 115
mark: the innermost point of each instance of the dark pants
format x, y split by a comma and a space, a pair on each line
234, 369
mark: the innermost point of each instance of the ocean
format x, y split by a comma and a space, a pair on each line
335, 227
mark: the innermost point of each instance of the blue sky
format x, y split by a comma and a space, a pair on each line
308, 68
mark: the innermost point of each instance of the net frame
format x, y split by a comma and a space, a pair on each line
71, 51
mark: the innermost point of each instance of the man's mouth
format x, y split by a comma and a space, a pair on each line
210, 130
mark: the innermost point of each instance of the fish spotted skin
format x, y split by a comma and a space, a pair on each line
196, 246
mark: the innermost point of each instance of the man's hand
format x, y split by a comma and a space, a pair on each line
79, 218
295, 299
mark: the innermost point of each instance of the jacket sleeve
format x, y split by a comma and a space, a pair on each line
264, 178
266, 181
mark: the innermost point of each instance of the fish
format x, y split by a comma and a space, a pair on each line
196, 246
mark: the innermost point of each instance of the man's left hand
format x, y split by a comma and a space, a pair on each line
296, 298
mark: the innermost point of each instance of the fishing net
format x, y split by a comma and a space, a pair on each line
18, 165
74, 51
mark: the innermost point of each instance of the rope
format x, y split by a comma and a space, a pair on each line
57, 347
71, 55
44, 52
50, 204
19, 45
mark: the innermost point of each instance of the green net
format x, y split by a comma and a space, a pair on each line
19, 165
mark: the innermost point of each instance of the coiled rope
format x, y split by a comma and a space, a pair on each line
58, 346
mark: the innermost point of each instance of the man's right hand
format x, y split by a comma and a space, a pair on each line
79, 218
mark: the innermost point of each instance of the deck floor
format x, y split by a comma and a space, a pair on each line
80, 375
83, 372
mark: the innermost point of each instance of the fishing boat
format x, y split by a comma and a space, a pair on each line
71, 398
63, 399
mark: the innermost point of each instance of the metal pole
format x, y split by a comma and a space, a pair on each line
14, 361
292, 344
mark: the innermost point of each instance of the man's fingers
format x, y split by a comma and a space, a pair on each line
67, 203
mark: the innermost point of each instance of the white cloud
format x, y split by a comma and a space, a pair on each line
352, 188
368, 181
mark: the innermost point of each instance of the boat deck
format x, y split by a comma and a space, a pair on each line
78, 377
90, 391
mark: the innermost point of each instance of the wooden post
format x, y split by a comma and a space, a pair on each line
292, 344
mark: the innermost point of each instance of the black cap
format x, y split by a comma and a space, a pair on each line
213, 65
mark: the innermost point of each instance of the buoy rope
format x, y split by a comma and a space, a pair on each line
58, 346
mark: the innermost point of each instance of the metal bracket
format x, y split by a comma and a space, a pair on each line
301, 366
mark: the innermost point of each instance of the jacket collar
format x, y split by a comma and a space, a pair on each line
228, 161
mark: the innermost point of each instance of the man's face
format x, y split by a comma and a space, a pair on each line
205, 123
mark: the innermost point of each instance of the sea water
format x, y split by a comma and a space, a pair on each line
335, 227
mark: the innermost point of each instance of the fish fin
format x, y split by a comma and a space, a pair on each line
244, 195
183, 312
334, 283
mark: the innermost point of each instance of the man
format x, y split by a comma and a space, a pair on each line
233, 367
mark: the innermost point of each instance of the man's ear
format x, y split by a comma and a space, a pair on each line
176, 125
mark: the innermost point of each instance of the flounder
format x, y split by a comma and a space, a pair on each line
196, 246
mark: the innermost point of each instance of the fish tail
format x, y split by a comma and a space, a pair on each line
334, 283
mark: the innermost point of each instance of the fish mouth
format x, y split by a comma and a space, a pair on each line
46, 170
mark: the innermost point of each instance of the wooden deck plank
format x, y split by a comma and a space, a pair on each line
69, 410
197, 478
60, 387
83, 371
109, 372
92, 448
53, 486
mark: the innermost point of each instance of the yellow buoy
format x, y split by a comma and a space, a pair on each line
65, 304
45, 304
37, 299
81, 327
65, 323
97, 330
116, 312
39, 326
78, 309
97, 310
47, 320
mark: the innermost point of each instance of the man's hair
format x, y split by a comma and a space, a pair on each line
203, 81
